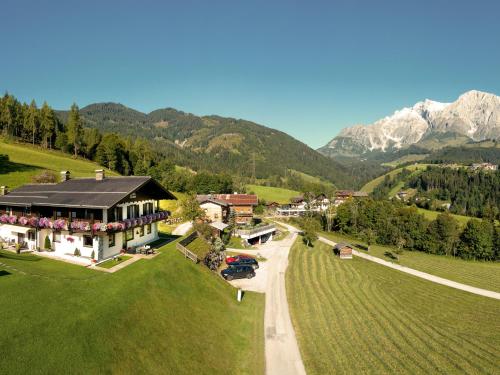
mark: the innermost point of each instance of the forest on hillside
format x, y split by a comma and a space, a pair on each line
129, 153
471, 193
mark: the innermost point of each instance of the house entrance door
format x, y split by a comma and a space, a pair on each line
20, 238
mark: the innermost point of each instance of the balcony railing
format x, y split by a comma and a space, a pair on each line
80, 225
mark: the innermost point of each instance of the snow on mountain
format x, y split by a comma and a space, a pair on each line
475, 114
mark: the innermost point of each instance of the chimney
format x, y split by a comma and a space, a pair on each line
65, 176
99, 174
4, 190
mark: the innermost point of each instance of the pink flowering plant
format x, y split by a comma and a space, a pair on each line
59, 224
23, 220
45, 223
4, 219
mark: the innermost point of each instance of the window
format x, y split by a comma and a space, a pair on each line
147, 208
148, 228
111, 240
130, 234
57, 237
132, 211
87, 241
31, 235
141, 231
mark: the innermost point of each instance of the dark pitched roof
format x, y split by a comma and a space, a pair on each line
83, 192
207, 198
340, 246
230, 199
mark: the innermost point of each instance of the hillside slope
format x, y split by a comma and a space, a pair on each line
215, 143
26, 161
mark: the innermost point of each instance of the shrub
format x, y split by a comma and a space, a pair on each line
18, 248
77, 252
46, 177
47, 245
92, 256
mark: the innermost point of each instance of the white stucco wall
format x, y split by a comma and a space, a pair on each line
139, 241
8, 234
66, 246
108, 251
213, 211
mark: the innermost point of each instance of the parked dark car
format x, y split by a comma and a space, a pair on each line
243, 261
238, 272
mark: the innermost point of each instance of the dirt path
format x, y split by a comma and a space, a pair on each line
182, 229
423, 275
282, 351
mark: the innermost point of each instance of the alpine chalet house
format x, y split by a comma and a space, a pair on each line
218, 206
95, 216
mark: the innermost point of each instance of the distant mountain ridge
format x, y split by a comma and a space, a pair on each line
475, 115
215, 143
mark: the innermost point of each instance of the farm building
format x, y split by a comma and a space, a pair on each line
344, 251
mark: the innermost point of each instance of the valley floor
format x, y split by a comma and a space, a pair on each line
355, 316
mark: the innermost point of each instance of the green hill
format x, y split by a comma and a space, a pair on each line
218, 144
370, 186
27, 161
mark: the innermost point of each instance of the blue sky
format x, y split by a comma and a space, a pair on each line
308, 68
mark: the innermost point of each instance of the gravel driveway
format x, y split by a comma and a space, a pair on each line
282, 350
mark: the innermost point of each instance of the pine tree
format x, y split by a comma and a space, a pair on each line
74, 128
48, 124
32, 122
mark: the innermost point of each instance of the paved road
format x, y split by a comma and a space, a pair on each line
182, 229
282, 350
423, 275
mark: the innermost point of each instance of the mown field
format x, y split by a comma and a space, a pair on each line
355, 316
165, 315
273, 194
26, 161
484, 275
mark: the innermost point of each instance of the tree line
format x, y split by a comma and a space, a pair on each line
125, 155
472, 193
390, 223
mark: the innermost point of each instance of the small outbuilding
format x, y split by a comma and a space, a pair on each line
344, 251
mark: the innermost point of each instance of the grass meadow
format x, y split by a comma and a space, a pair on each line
273, 194
26, 161
480, 274
355, 316
164, 315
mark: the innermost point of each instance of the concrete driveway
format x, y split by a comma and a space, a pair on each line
282, 350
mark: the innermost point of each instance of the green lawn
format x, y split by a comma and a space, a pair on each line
355, 316
164, 315
27, 161
113, 262
484, 275
273, 194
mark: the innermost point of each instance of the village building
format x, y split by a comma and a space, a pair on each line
484, 167
218, 206
95, 217
344, 251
